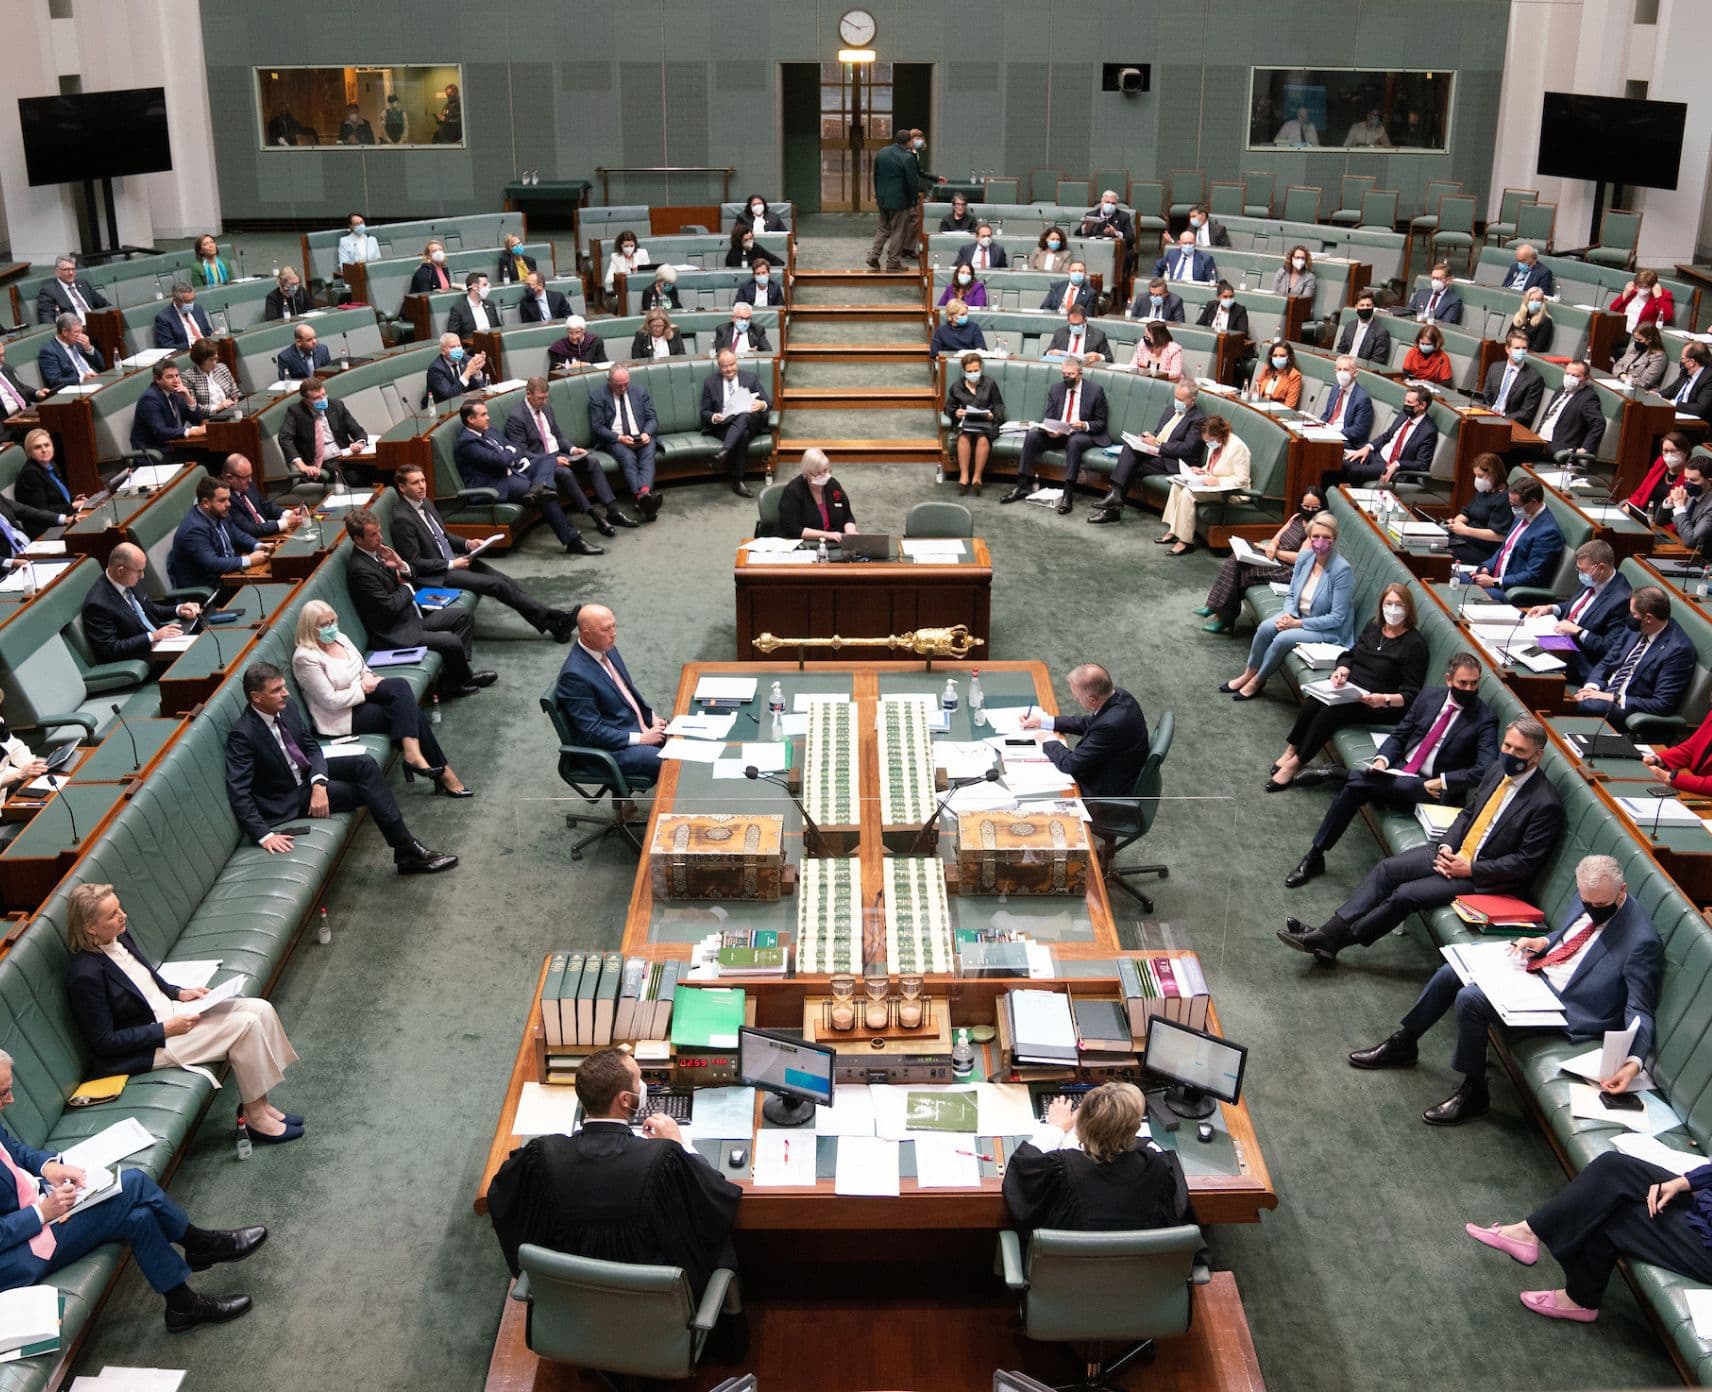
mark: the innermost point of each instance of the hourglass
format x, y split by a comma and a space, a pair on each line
876, 1015
843, 1012
909, 1002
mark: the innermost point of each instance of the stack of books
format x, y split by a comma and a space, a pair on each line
1174, 987
1038, 1030
593, 999
740, 953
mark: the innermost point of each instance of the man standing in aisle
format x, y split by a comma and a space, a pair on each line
897, 181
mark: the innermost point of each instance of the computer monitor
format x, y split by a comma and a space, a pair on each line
798, 1074
1200, 1067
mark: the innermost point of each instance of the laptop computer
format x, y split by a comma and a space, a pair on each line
867, 546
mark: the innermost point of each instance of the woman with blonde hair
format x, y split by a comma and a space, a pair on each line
657, 338
431, 275
134, 1021
1228, 465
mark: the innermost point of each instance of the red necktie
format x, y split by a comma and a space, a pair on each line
1070, 405
1567, 947
1509, 546
1582, 601
1397, 443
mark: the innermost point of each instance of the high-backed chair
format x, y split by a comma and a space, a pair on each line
1256, 194
1043, 185
767, 510
1503, 227
1619, 236
939, 520
1001, 190
592, 774
1350, 188
612, 1317
1147, 197
1117, 179
1069, 193
1188, 187
1125, 820
1536, 223
1426, 222
1105, 1287
1227, 201
1378, 209
1302, 203
1455, 228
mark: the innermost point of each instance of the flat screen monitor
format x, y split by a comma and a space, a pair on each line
1199, 1066
798, 1074
1614, 140
95, 135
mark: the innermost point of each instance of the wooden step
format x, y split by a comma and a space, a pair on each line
924, 450
859, 398
859, 311
856, 276
856, 352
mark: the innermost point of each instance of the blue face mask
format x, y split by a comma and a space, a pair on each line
1076, 277
1179, 405
1514, 764
1586, 581
358, 229
456, 355
1054, 244
328, 633
319, 404
1108, 208
1518, 355
962, 319
1156, 300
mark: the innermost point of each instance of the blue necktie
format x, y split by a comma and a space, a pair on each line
137, 609
225, 539
1504, 388
54, 475
14, 539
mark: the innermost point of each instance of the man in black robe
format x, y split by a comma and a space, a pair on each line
615, 1196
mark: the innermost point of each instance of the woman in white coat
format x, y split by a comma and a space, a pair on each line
1228, 466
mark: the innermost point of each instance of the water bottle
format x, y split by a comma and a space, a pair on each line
1455, 578
243, 1140
434, 710
29, 580
776, 701
769, 471
939, 470
820, 556
948, 698
1004, 345
977, 699
324, 928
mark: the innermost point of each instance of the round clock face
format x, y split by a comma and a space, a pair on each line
857, 28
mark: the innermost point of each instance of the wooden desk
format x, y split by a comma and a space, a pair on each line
96, 533
37, 859
109, 762
860, 599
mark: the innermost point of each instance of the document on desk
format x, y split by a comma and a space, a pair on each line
780, 1162
545, 1111
962, 758
804, 699
725, 1113
1656, 1152
182, 643
191, 974
341, 500
768, 756
1031, 779
1006, 1109
692, 751
1661, 811
43, 548
948, 1162
38, 573
868, 1166
1655, 1114
1007, 720
932, 551
1519, 996
109, 1147
725, 689
851, 1112
709, 726
769, 546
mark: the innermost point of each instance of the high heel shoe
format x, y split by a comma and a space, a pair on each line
438, 779
1204, 612
432, 772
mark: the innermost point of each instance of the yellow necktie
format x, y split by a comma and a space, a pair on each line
1488, 814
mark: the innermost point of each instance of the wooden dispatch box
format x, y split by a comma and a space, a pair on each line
1022, 853
712, 855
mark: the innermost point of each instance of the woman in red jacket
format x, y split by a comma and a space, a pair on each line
1645, 301
1662, 475
1687, 767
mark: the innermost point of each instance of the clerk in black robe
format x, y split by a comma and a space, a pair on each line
614, 1196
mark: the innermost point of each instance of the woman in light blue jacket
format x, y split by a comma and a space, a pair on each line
1318, 609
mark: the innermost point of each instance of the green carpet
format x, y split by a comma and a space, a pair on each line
378, 1275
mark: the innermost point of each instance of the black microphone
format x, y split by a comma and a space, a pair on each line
58, 786
344, 350
1593, 739
812, 842
136, 759
1662, 795
113, 496
922, 840
219, 657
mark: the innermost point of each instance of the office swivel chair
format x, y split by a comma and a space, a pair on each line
592, 774
1092, 1288
1125, 820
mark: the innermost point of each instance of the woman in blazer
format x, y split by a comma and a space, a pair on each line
1645, 301
627, 258
758, 217
657, 338
287, 298
814, 505
1228, 463
1296, 276
431, 276
133, 1022
974, 437
1534, 319
209, 268
1427, 361
1480, 528
662, 293
345, 697
1158, 353
742, 250
39, 485
210, 380
964, 286
1644, 361
1224, 596
1317, 610
1052, 252
955, 333
1280, 379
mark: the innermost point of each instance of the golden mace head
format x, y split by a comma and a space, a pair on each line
923, 642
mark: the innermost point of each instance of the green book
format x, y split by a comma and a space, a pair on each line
752, 961
606, 996
567, 998
1129, 980
629, 994
584, 1003
941, 1111
550, 999
663, 993
764, 937
706, 1017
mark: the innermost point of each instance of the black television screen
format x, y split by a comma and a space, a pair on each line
1616, 140
95, 135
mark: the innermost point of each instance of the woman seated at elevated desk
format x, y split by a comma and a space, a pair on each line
814, 506
1480, 528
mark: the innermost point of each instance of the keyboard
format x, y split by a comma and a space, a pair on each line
677, 1103
1043, 1095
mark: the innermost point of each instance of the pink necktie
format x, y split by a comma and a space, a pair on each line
611, 671
1509, 546
1424, 750
44, 1242
1579, 608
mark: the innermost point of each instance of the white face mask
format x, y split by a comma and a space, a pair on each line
484, 290
820, 480
1394, 614
436, 257
1300, 263
1226, 304
758, 210
1571, 384
1673, 462
963, 277
1482, 484
1345, 378
641, 1094
1438, 283
985, 241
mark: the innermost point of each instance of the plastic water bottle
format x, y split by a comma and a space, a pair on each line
324, 928
769, 471
777, 726
948, 699
977, 699
244, 1146
939, 470
434, 710
820, 556
776, 701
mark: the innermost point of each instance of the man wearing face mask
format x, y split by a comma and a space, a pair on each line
1649, 673
1691, 390
1208, 231
897, 182
1157, 302
1508, 827
1436, 300
316, 429
1573, 422
734, 408
1176, 440
982, 254
1224, 314
1362, 336
760, 288
1604, 963
288, 298
455, 372
540, 305
471, 314
1441, 748
1407, 443
1513, 387
1073, 292
959, 219
1080, 339
1349, 407
1112, 223
742, 335
1690, 504
1082, 406
1527, 273
1597, 618
1528, 556
1186, 261
924, 180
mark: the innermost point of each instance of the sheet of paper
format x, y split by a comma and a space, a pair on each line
925, 548
948, 1161
484, 544
725, 689
851, 1112
1006, 1109
1592, 1065
111, 1146
962, 758
545, 1111
342, 500
1028, 780
804, 699
28, 1315
794, 724
1135, 442
792, 557
725, 1113
692, 751
1513, 990
183, 974
1656, 1152
867, 1165
713, 726
45, 548
223, 994
1699, 1302
1029, 753
980, 797
37, 573
174, 645
1654, 1117
1653, 811
765, 546
784, 1157
768, 757
729, 769
1007, 720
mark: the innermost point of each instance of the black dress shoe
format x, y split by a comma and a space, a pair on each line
224, 1245
1399, 1051
1467, 1102
1313, 777
741, 489
422, 861
1113, 499
1295, 927
718, 460
467, 689
1100, 516
648, 505
1017, 493
618, 517
206, 1309
605, 528
484, 678
1272, 785
1065, 503
561, 627
582, 546
1313, 942
1309, 867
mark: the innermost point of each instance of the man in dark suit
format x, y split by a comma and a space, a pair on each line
315, 430
381, 587
304, 356
472, 314
1648, 674
67, 293
514, 263
455, 372
760, 288
1437, 301
1208, 232
534, 430
897, 182
1604, 963
1407, 443
983, 253
1079, 339
207, 545
742, 335
275, 772
1507, 828
486, 461
1440, 749
1690, 505
68, 357
438, 558
15, 396
1177, 438
623, 423
1597, 618
1573, 421
253, 512
182, 322
577, 346
1114, 743
1528, 556
120, 621
601, 705
1072, 293
1112, 223
166, 413
1081, 405
734, 407
1349, 407
1513, 387
1222, 314
1186, 261
1691, 389
1527, 272
1157, 302
540, 305
1363, 336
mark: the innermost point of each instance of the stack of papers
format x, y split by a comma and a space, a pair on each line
712, 726
120, 1379
1135, 442
43, 548
725, 689
29, 1316
1323, 691
188, 974
962, 759
147, 358
768, 546
1046, 497
343, 500
692, 751
1654, 1115
1656, 1152
40, 574
545, 1111
1319, 655
509, 384
1600, 1063
1519, 996
940, 550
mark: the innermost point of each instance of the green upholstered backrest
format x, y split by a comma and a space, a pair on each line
1109, 1285
153, 528
389, 278
336, 329
1350, 189
609, 1315
934, 519
125, 282
398, 239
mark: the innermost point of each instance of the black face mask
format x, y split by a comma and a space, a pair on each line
1464, 699
1601, 913
1364, 314
1309, 510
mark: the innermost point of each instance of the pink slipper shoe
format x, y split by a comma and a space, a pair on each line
1545, 1303
1525, 1252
